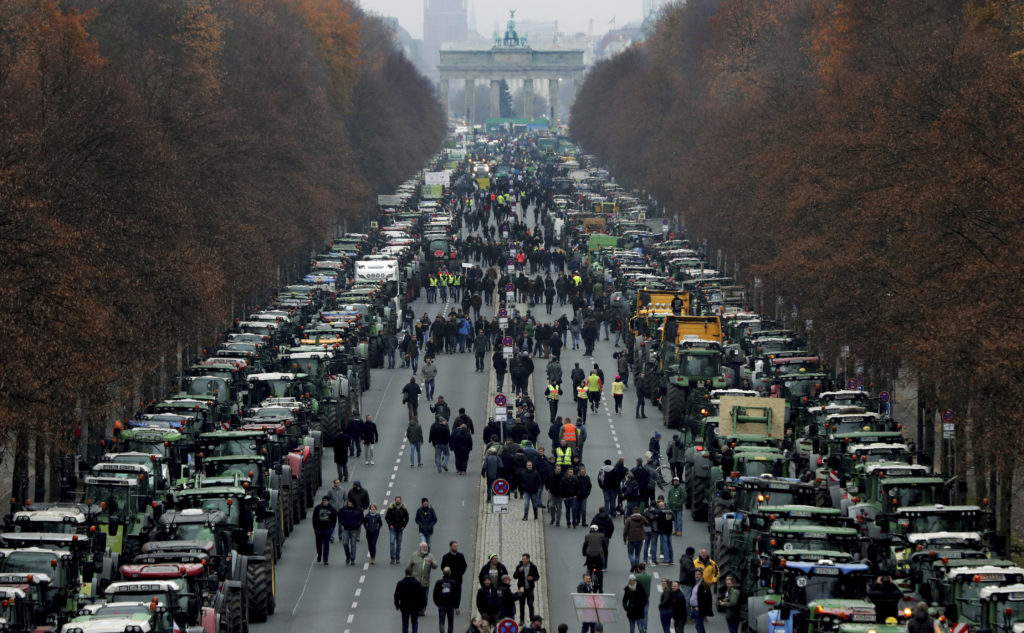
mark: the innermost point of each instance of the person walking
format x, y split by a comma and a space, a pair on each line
634, 602
447, 596
584, 486
707, 567
885, 595
455, 561
397, 517
633, 536
921, 622
414, 433
644, 579
639, 386
409, 601
426, 519
429, 373
526, 576
359, 496
372, 523
440, 437
461, 446
618, 389
730, 604
673, 606
412, 352
500, 369
536, 625
351, 520
411, 397
491, 469
324, 520
488, 602
370, 438
421, 563
700, 601
594, 386
531, 484
553, 392
338, 498
664, 524
686, 571
341, 446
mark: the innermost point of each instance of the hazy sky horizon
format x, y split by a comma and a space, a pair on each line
573, 16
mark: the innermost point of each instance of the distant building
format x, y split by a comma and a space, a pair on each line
444, 21
652, 6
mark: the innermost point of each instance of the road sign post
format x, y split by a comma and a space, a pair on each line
594, 607
499, 505
507, 626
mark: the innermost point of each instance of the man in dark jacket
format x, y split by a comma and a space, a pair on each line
341, 445
411, 396
491, 469
351, 519
554, 486
531, 484
461, 445
700, 601
568, 490
455, 561
463, 420
500, 369
354, 429
359, 496
507, 596
447, 596
488, 602
324, 520
440, 437
397, 517
369, 438
526, 576
409, 600
426, 519
440, 409
886, 597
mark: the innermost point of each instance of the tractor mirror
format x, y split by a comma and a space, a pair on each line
784, 612
114, 527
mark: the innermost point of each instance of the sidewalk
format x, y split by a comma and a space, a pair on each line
518, 537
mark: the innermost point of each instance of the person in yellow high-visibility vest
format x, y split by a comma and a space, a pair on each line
594, 386
553, 393
563, 455
581, 401
432, 288
618, 388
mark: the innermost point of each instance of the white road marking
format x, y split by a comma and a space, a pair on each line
355, 605
303, 592
351, 616
359, 590
362, 579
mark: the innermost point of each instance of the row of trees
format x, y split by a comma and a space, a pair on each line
161, 165
865, 159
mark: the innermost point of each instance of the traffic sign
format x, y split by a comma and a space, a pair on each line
852, 383
948, 415
500, 400
511, 262
948, 430
508, 626
507, 341
500, 487
664, 222
510, 287
503, 313
884, 396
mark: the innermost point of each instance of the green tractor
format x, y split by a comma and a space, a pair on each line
123, 507
958, 595
263, 483
226, 518
1002, 609
49, 579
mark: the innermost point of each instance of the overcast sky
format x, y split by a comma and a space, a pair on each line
572, 15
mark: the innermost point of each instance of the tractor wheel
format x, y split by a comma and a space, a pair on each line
131, 548
699, 499
300, 496
284, 500
673, 405
235, 616
730, 564
259, 585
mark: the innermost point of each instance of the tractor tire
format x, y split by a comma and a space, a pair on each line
259, 585
364, 376
730, 563
718, 508
673, 407
131, 548
699, 499
234, 615
284, 500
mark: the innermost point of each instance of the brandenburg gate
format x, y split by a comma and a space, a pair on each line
511, 58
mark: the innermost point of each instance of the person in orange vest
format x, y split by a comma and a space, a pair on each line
569, 434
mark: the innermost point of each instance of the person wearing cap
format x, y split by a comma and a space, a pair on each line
634, 602
676, 502
324, 520
618, 389
536, 625
426, 519
492, 569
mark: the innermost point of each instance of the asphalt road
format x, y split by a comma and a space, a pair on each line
347, 599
